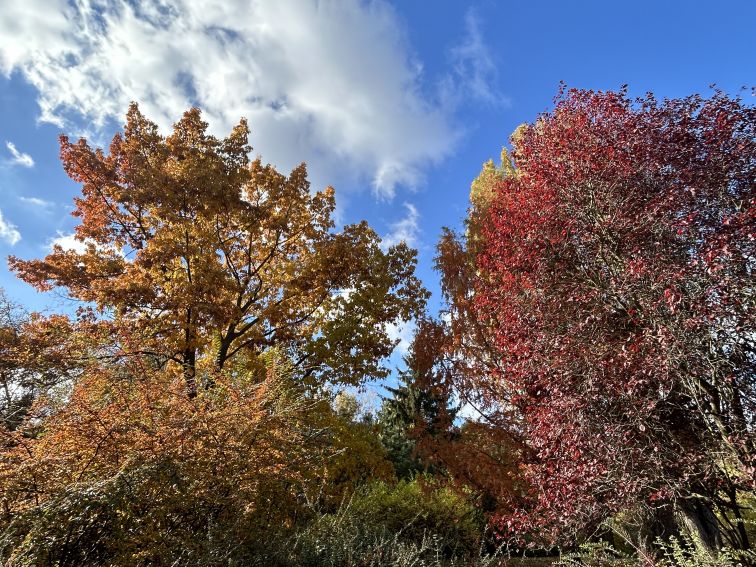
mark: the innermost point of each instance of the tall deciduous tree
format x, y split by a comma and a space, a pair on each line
465, 434
613, 280
201, 253
205, 273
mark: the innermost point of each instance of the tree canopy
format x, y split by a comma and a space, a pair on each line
603, 304
593, 367
186, 407
193, 254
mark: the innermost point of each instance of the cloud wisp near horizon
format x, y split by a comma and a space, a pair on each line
335, 84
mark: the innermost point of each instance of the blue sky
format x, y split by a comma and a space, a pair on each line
396, 104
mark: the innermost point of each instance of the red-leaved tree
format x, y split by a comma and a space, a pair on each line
613, 275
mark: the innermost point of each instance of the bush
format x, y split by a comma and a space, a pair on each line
131, 471
409, 523
672, 552
685, 552
419, 507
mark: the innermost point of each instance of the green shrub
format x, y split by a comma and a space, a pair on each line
409, 523
685, 552
673, 552
415, 508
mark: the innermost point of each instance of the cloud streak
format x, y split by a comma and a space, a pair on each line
474, 73
17, 157
405, 230
36, 202
330, 82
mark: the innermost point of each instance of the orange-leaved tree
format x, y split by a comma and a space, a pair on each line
217, 298
35, 357
202, 253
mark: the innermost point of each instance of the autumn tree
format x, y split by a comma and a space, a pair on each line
455, 432
612, 283
216, 300
459, 356
129, 469
17, 386
460, 346
201, 253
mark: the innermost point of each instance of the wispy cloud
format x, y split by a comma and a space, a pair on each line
8, 231
329, 82
36, 202
475, 72
406, 229
17, 157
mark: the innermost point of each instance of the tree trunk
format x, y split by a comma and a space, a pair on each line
699, 521
657, 523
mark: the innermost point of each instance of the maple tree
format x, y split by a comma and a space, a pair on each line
185, 406
201, 253
602, 310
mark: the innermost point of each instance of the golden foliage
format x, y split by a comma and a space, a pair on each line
202, 254
255, 452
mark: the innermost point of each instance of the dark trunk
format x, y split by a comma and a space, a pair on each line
699, 521
740, 533
225, 344
657, 523
190, 357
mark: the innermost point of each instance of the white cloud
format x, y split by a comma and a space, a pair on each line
36, 202
474, 71
404, 230
19, 158
329, 82
68, 242
405, 332
8, 231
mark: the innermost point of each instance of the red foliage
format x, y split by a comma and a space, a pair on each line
615, 276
